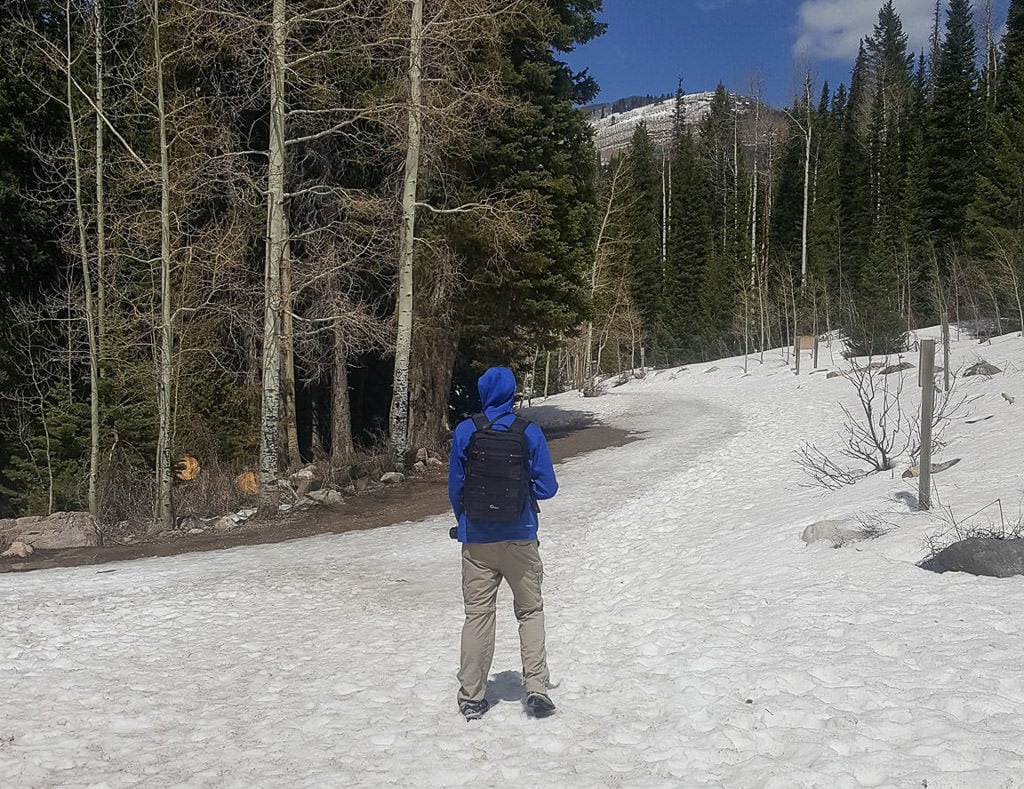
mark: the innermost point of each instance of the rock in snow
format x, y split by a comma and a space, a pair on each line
838, 532
980, 556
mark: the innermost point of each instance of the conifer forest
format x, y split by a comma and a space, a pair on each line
270, 233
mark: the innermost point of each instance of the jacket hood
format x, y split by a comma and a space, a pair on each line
497, 389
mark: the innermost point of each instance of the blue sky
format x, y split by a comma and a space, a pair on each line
650, 44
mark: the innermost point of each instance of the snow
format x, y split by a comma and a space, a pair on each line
614, 132
695, 640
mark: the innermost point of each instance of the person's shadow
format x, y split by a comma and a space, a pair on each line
505, 686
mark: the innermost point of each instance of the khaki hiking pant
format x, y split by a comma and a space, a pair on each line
483, 567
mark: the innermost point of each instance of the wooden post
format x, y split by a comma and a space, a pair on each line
945, 350
815, 352
927, 368
796, 351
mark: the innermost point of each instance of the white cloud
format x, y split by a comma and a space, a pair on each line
832, 29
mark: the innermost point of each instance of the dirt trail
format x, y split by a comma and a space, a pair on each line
418, 498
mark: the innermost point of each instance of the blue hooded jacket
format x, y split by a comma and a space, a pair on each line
497, 393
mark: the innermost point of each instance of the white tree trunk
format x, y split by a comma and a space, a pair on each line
101, 231
83, 251
290, 418
403, 341
807, 187
664, 216
164, 468
275, 250
589, 367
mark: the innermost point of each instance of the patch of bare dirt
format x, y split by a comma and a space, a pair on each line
417, 498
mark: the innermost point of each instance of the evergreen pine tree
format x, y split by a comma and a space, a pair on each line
644, 214
998, 209
855, 177
689, 246
1012, 52
919, 302
877, 325
823, 232
542, 151
28, 256
951, 131
726, 213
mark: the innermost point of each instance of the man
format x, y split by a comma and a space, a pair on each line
492, 550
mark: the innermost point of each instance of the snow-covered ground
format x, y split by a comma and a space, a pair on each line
694, 638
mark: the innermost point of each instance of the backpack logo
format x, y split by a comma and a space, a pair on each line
497, 485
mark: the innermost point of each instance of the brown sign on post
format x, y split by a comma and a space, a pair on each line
805, 342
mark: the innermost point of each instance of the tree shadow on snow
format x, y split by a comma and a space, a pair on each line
558, 422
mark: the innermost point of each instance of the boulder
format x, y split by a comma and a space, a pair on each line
306, 479
393, 478
224, 524
326, 496
980, 556
188, 523
838, 532
306, 472
895, 368
982, 368
18, 549
419, 467
52, 532
435, 463
422, 455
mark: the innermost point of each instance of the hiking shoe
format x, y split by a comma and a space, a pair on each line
474, 710
539, 705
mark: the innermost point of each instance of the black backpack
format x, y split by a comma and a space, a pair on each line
497, 486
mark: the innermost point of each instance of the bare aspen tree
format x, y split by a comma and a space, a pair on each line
83, 250
599, 249
288, 394
807, 129
70, 168
664, 209
101, 244
613, 308
165, 365
315, 236
404, 304
447, 97
275, 253
1009, 253
750, 285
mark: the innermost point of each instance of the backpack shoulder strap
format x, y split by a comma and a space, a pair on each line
518, 425
481, 421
